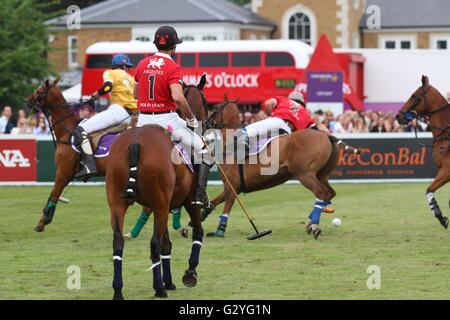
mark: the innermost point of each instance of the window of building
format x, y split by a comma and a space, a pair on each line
209, 38
246, 59
440, 41
103, 61
300, 27
397, 42
143, 38
187, 38
279, 59
442, 44
187, 59
213, 59
72, 50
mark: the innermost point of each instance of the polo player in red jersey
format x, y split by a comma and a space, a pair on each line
159, 93
288, 114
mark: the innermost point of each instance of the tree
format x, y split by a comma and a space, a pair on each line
23, 47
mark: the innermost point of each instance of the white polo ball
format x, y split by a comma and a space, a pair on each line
336, 222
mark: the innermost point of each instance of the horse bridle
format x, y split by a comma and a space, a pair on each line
218, 109
188, 88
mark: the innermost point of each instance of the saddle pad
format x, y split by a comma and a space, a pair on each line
103, 147
261, 144
184, 155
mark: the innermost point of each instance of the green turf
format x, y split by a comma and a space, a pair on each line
388, 225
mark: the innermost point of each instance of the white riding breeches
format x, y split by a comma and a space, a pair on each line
266, 125
114, 115
173, 123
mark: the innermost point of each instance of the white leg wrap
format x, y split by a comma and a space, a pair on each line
154, 265
430, 197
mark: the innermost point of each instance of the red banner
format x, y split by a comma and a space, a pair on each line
17, 159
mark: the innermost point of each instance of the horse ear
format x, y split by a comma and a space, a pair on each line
183, 84
202, 82
425, 81
225, 96
55, 82
47, 83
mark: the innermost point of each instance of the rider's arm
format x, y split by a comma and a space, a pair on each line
181, 102
269, 105
106, 88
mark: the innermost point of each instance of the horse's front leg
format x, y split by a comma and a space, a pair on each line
441, 179
62, 179
190, 275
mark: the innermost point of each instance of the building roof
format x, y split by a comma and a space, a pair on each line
166, 11
403, 14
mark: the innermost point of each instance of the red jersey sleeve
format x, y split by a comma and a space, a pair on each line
176, 75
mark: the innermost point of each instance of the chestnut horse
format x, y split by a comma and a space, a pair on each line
308, 155
48, 99
144, 163
428, 102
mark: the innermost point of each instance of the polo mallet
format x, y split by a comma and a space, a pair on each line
257, 234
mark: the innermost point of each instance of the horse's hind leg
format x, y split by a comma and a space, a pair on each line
190, 275
214, 203
117, 220
161, 217
166, 250
441, 179
323, 196
229, 198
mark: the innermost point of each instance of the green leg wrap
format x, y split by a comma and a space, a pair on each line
176, 218
140, 223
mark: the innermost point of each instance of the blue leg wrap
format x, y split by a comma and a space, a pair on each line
319, 205
157, 279
167, 273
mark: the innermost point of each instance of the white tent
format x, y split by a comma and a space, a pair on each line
73, 94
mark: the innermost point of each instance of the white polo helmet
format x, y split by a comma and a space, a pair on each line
297, 96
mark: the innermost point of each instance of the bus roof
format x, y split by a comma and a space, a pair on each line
300, 50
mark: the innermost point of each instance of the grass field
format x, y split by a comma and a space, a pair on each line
387, 225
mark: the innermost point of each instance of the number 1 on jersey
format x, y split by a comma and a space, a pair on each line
151, 87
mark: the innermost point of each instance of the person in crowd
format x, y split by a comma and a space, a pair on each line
5, 120
42, 127
21, 127
379, 125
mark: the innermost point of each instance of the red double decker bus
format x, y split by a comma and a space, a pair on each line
249, 70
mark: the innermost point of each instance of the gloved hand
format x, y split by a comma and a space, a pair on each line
192, 124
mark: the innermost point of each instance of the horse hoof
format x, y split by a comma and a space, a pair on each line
38, 229
190, 278
170, 286
184, 232
161, 293
316, 233
444, 222
118, 296
309, 228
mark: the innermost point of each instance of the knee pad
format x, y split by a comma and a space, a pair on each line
78, 136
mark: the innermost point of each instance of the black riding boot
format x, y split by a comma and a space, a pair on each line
201, 198
89, 167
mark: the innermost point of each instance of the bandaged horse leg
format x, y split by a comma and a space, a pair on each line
441, 179
223, 218
140, 223
166, 250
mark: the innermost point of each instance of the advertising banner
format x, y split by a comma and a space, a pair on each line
325, 91
17, 159
385, 158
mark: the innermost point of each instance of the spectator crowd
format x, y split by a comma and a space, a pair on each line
21, 122
349, 122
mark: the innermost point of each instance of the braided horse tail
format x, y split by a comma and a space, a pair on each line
342, 145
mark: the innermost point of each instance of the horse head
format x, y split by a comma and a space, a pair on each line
45, 96
424, 101
196, 98
224, 115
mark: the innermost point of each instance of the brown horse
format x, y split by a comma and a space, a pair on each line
308, 155
428, 102
143, 164
48, 99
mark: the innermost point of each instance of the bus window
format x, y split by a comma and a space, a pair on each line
102, 61
187, 60
246, 59
136, 58
279, 59
213, 59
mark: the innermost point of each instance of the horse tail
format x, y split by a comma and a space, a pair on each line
342, 145
133, 157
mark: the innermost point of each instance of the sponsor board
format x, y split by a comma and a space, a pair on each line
17, 159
